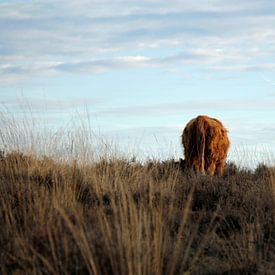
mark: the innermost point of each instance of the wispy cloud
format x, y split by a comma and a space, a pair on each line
246, 68
45, 105
197, 106
48, 37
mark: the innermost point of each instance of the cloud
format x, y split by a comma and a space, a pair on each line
49, 37
203, 106
245, 68
39, 105
103, 65
10, 72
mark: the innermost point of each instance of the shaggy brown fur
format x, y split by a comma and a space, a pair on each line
205, 145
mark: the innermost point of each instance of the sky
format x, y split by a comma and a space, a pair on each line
140, 70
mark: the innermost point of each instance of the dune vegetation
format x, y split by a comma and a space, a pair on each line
117, 216
114, 215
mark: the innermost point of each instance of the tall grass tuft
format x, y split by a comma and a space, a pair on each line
111, 215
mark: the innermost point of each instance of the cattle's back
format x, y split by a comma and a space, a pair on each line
205, 140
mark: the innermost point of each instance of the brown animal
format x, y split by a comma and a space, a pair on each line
205, 145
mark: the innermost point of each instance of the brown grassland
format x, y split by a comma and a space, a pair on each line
122, 217
119, 216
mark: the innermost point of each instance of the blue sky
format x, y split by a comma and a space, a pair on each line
143, 69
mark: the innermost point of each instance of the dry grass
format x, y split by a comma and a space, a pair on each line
86, 214
122, 217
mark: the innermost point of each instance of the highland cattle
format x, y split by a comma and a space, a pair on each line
205, 143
